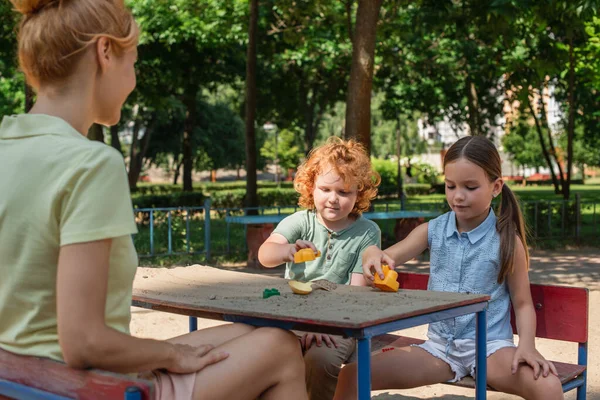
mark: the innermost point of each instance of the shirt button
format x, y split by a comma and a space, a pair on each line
329, 256
330, 246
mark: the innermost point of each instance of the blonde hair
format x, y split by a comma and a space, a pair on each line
53, 34
350, 161
482, 152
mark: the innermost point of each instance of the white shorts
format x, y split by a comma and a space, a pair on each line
461, 354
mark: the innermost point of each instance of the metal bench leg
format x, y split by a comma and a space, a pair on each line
582, 360
481, 356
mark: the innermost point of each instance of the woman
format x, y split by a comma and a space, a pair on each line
66, 255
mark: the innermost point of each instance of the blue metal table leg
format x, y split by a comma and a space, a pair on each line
364, 368
193, 324
480, 356
133, 393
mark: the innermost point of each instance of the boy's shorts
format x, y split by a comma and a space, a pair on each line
461, 354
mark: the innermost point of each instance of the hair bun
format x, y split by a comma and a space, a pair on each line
30, 7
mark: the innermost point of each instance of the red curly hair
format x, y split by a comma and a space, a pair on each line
350, 161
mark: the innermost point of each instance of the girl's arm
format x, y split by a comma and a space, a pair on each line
276, 250
85, 339
414, 244
520, 294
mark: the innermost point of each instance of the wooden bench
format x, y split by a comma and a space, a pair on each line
562, 314
41, 378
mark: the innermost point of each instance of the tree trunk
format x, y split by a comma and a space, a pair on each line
570, 120
114, 138
399, 181
134, 165
251, 186
553, 153
96, 132
176, 173
543, 145
136, 168
189, 101
473, 104
28, 97
358, 100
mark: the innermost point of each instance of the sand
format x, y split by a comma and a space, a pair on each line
576, 268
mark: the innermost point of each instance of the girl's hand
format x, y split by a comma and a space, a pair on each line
372, 259
534, 359
188, 359
318, 338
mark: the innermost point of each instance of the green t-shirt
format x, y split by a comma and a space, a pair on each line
57, 188
341, 252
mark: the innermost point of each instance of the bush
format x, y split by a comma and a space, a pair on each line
178, 199
425, 173
266, 197
388, 170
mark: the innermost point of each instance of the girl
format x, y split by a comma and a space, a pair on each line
472, 251
336, 184
66, 256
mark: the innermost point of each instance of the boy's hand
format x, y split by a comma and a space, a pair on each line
372, 259
318, 338
534, 359
294, 247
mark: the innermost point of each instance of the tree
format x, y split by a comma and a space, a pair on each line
250, 116
284, 149
303, 59
12, 83
187, 46
358, 103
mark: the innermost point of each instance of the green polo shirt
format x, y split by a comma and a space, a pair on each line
341, 252
57, 188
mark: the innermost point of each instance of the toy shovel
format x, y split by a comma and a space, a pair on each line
304, 255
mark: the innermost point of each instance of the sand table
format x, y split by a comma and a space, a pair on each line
208, 289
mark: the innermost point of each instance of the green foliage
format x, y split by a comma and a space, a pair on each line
523, 145
288, 152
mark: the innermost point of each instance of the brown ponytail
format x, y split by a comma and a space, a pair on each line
510, 221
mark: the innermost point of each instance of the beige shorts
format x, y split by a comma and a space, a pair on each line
169, 386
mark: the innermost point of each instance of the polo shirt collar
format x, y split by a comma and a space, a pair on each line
28, 125
476, 234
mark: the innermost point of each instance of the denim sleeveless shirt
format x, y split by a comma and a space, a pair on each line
468, 262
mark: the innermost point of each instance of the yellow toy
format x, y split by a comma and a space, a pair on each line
300, 287
390, 281
307, 288
304, 255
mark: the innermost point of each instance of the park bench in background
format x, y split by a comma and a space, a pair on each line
24, 377
562, 314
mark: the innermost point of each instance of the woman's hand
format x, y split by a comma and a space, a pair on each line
373, 258
188, 359
318, 338
534, 359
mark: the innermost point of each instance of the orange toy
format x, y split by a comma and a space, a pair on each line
304, 255
390, 281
